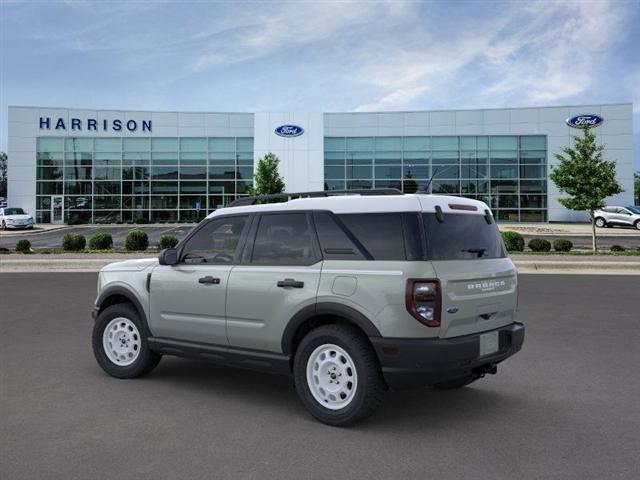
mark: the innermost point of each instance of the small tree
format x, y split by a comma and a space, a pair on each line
3, 174
636, 188
585, 176
267, 180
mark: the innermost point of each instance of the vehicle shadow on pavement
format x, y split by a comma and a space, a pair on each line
411, 410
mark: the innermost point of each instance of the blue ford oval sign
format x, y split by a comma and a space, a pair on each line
289, 131
587, 120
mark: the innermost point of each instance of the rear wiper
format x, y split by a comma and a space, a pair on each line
479, 250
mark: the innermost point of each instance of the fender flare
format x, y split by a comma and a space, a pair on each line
129, 295
350, 314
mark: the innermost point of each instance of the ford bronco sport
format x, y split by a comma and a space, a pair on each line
349, 294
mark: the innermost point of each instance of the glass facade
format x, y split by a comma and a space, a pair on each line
109, 180
508, 172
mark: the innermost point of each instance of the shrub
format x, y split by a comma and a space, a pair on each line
100, 241
513, 241
539, 245
23, 246
562, 245
617, 248
167, 241
141, 220
136, 240
73, 242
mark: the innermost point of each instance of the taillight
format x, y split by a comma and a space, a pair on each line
422, 298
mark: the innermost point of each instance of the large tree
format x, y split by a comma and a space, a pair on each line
585, 177
267, 180
3, 174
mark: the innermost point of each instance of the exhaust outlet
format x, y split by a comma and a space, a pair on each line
480, 372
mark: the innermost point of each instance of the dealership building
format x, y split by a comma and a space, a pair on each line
107, 166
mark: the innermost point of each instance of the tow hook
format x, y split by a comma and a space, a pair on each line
480, 372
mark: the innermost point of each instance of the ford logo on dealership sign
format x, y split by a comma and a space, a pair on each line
289, 131
587, 120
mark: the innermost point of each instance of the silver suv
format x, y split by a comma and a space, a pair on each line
622, 216
350, 295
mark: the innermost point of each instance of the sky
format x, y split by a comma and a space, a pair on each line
318, 56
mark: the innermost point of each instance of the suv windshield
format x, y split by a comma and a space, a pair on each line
634, 210
462, 236
13, 211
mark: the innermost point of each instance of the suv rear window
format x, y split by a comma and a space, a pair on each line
462, 236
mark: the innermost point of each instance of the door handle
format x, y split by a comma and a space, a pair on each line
290, 282
209, 280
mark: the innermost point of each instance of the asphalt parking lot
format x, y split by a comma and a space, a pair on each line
565, 407
53, 238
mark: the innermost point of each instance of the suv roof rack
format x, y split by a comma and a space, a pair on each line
244, 201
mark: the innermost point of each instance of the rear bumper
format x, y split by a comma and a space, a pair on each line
412, 363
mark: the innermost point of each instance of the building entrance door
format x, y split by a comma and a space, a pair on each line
57, 209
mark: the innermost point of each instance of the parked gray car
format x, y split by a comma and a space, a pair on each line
618, 216
349, 295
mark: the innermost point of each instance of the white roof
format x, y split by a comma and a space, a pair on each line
364, 204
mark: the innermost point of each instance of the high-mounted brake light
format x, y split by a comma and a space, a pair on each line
423, 301
461, 206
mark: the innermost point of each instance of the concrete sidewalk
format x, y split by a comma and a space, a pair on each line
567, 229
566, 264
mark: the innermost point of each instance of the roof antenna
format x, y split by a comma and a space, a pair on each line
426, 189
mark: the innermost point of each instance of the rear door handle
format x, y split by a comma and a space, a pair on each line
290, 282
209, 280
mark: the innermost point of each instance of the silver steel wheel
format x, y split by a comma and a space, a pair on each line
121, 341
600, 222
331, 376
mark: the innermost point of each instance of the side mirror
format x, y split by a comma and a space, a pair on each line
168, 256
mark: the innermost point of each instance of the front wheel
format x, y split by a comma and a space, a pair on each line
600, 223
637, 224
337, 375
120, 343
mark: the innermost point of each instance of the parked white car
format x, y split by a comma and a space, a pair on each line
15, 218
621, 216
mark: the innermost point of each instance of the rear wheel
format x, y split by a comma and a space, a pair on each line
600, 223
120, 343
4, 225
337, 375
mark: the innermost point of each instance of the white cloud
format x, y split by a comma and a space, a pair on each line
528, 54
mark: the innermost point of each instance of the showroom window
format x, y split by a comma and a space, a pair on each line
108, 180
508, 172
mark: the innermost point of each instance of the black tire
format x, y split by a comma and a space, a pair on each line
637, 224
600, 222
370, 387
4, 225
454, 384
146, 361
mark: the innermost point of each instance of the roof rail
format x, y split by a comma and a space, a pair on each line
243, 201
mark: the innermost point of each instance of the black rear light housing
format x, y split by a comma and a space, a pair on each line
434, 301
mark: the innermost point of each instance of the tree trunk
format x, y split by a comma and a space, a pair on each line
593, 232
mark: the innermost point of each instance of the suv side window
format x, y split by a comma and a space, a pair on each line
334, 240
381, 233
216, 243
284, 239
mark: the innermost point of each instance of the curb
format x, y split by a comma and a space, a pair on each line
603, 267
27, 265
